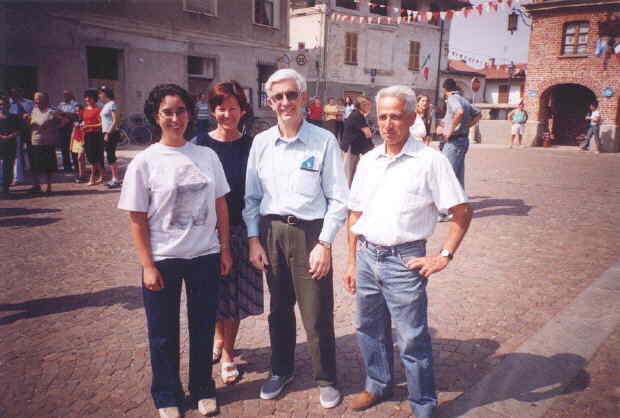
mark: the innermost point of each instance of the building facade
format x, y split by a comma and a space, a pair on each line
133, 45
341, 54
566, 73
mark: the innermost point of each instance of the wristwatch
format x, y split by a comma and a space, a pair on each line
446, 253
325, 244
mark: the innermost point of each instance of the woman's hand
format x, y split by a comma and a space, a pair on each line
151, 277
225, 262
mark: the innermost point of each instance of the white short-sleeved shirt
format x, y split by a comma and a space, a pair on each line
106, 116
400, 197
177, 187
418, 129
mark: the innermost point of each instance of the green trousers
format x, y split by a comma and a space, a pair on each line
288, 248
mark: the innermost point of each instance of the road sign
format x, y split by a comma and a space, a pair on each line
475, 84
301, 59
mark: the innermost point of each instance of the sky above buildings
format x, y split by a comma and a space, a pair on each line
479, 37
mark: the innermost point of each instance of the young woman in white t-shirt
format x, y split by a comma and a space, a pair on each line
175, 194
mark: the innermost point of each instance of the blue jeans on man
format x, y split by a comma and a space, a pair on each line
455, 150
593, 132
390, 293
201, 277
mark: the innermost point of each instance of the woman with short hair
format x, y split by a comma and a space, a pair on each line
44, 124
110, 120
93, 137
175, 194
241, 293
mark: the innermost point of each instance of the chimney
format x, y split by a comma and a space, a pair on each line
491, 62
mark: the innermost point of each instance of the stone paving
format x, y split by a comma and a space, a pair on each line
72, 328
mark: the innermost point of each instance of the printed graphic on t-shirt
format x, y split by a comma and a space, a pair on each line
190, 198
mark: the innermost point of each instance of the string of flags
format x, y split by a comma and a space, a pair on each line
411, 16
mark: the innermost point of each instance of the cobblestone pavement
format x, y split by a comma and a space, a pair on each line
72, 328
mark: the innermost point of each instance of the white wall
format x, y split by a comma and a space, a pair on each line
492, 92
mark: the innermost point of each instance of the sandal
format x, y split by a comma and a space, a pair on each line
217, 354
229, 373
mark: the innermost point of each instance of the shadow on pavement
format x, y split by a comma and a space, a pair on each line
5, 212
128, 296
523, 377
495, 207
26, 222
450, 375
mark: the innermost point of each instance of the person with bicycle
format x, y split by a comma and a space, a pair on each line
110, 119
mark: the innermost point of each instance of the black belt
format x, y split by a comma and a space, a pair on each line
289, 219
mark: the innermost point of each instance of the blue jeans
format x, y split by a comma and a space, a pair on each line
593, 132
455, 150
19, 160
388, 292
201, 276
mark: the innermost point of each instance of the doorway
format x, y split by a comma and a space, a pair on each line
105, 69
566, 105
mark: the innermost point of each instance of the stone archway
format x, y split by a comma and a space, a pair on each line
563, 108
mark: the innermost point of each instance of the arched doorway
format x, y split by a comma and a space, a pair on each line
566, 105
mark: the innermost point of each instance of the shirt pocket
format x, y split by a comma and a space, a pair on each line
414, 199
306, 182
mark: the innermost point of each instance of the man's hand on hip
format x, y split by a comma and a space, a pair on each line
429, 264
320, 261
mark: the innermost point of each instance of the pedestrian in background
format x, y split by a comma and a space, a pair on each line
44, 124
110, 120
294, 206
77, 146
348, 106
175, 194
93, 137
340, 119
460, 116
594, 126
19, 107
241, 292
9, 131
518, 118
397, 192
67, 110
315, 112
204, 120
422, 127
357, 136
331, 116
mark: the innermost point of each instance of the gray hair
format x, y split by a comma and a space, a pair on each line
286, 74
403, 93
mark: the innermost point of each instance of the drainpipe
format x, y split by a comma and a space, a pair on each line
439, 63
325, 36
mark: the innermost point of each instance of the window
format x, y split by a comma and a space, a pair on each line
502, 95
350, 49
264, 72
205, 7
347, 4
379, 7
102, 63
200, 74
575, 38
267, 12
414, 56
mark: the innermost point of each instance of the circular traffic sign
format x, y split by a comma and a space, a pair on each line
301, 59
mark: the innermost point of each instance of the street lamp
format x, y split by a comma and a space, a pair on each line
513, 21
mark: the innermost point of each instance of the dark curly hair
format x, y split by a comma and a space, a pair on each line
92, 93
223, 90
157, 95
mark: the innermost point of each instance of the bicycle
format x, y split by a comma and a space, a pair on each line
135, 130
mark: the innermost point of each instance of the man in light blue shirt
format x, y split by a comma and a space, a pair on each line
295, 203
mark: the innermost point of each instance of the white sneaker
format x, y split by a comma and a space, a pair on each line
207, 406
170, 412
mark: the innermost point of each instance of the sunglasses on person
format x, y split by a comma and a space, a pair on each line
290, 96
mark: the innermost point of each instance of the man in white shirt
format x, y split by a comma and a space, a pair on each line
398, 190
594, 127
295, 203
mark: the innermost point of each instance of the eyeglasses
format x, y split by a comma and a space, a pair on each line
169, 114
290, 96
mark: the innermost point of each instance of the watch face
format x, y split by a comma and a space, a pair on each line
446, 253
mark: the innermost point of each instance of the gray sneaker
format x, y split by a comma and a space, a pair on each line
329, 396
274, 386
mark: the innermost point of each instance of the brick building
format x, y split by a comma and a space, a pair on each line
565, 74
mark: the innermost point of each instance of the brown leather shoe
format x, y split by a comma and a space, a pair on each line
364, 400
